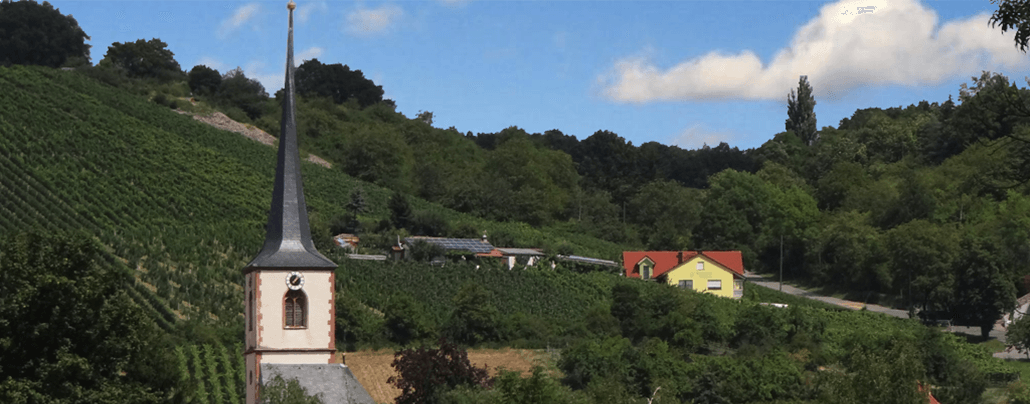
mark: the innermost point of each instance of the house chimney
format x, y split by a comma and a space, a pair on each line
679, 257
484, 237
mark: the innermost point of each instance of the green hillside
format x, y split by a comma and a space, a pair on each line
181, 206
177, 203
181, 202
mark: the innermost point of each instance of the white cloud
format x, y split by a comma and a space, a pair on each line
843, 48
695, 137
304, 12
364, 22
241, 16
307, 54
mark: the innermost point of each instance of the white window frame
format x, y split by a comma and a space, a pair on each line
700, 265
715, 284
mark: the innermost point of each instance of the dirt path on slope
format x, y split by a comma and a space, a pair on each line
223, 122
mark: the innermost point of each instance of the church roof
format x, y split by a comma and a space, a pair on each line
288, 238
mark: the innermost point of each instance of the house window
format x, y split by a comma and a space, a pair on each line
738, 285
700, 265
295, 309
715, 285
645, 271
686, 284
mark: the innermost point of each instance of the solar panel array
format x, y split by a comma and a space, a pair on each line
463, 244
588, 260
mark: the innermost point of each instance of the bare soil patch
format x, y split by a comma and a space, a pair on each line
223, 122
372, 368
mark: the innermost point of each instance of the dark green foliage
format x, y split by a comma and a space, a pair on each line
204, 80
357, 325
357, 204
1013, 15
759, 378
38, 34
801, 112
849, 253
69, 330
733, 213
889, 374
423, 251
143, 59
238, 91
424, 373
985, 293
949, 363
378, 155
928, 252
475, 319
429, 222
1018, 334
760, 325
400, 211
586, 360
280, 391
407, 321
539, 388
336, 81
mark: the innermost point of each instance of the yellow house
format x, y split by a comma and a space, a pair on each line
717, 272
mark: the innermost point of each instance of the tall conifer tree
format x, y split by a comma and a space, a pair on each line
801, 112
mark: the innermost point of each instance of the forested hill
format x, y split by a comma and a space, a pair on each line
907, 202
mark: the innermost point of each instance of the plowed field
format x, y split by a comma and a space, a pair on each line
372, 368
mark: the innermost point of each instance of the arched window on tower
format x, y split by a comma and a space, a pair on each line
295, 309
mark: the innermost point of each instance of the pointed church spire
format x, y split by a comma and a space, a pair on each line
288, 238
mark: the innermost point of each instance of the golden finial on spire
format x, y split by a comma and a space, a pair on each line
291, 5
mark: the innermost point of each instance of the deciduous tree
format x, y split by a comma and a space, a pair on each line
38, 34
423, 373
204, 80
1013, 15
143, 59
69, 333
336, 81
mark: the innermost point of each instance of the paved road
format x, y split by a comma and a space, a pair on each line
997, 333
787, 288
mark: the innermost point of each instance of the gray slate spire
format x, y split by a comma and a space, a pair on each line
288, 241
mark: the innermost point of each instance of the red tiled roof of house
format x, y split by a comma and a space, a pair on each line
665, 261
729, 259
493, 253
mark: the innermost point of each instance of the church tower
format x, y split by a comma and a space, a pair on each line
290, 314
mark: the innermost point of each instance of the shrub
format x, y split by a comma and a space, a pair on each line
424, 373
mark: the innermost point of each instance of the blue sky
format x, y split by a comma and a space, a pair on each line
680, 73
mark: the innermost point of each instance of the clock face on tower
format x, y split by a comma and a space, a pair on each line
295, 280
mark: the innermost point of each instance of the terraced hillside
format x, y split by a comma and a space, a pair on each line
177, 202
182, 203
